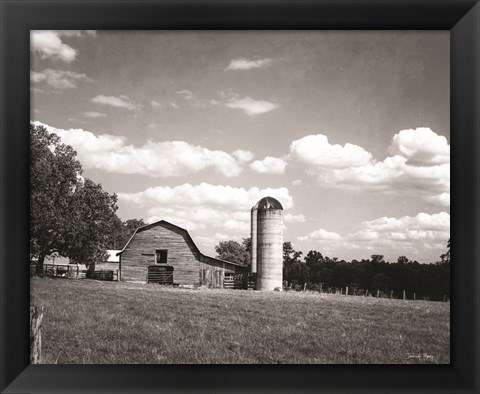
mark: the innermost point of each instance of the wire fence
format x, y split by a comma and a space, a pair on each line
376, 293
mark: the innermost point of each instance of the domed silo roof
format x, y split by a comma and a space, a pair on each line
268, 203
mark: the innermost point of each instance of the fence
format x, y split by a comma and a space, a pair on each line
355, 291
36, 317
107, 275
73, 271
239, 281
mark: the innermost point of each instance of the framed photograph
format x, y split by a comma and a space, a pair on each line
203, 189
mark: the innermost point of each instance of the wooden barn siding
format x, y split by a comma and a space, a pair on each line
208, 272
209, 268
180, 255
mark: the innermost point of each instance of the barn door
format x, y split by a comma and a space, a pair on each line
162, 275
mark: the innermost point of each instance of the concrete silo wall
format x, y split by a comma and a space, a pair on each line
269, 249
254, 239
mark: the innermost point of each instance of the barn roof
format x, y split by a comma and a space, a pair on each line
179, 230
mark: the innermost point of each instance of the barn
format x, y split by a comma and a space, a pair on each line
164, 253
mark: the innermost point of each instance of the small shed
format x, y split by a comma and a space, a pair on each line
162, 252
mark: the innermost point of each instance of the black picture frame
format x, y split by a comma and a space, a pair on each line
18, 17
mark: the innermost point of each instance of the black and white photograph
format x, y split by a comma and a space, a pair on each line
239, 197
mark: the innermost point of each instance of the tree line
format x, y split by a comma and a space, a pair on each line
314, 269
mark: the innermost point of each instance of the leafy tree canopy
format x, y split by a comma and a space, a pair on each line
446, 257
120, 232
69, 215
233, 251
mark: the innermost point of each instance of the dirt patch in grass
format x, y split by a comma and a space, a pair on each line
88, 321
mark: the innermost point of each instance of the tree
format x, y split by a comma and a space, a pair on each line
232, 251
294, 270
94, 213
446, 257
69, 216
129, 228
120, 232
315, 262
290, 254
54, 177
403, 260
377, 258
247, 244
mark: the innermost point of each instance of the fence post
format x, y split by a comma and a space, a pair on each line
391, 294
404, 298
305, 287
414, 296
320, 288
36, 317
378, 293
445, 298
346, 290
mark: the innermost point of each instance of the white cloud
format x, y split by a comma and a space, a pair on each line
121, 101
322, 235
289, 218
421, 147
315, 150
58, 79
442, 199
36, 77
49, 45
204, 194
439, 222
156, 159
297, 182
73, 33
93, 114
243, 156
269, 165
155, 103
201, 217
395, 175
251, 106
247, 64
206, 206
177, 220
420, 165
407, 235
207, 244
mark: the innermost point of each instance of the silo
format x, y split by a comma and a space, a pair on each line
253, 228
269, 244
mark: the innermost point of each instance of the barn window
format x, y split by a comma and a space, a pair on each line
161, 256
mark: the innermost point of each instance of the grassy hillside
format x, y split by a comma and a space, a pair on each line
107, 322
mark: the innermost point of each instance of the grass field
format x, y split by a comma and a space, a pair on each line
88, 321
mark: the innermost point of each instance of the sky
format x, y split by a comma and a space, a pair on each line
349, 130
